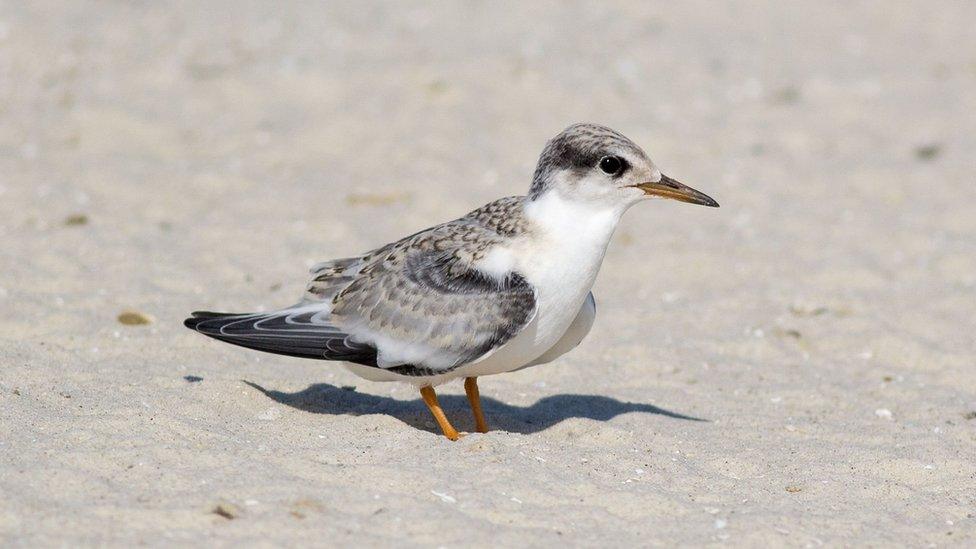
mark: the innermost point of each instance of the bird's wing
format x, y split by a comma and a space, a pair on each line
419, 306
330, 277
424, 301
300, 331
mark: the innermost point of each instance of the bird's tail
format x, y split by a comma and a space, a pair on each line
301, 331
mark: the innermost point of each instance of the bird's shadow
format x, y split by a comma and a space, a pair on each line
322, 398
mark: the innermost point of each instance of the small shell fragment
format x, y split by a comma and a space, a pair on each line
134, 318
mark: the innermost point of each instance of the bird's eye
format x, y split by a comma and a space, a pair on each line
611, 165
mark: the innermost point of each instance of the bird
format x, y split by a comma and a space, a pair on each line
502, 288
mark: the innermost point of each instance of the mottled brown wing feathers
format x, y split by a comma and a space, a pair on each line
423, 301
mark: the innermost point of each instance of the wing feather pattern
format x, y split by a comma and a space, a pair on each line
299, 332
425, 302
419, 306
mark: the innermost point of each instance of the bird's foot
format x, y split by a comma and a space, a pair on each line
430, 399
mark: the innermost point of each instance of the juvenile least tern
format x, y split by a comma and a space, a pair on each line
504, 287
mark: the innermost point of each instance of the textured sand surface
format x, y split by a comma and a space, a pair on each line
167, 157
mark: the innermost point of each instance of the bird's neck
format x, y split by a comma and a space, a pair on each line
566, 243
584, 224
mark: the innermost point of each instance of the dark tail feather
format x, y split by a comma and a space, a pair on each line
196, 317
294, 332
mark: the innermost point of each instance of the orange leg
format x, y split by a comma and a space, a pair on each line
471, 388
430, 399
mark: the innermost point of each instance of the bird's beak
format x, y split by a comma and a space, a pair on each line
669, 188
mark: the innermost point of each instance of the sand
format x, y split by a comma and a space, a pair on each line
793, 369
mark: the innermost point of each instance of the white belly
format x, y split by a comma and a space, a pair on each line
574, 334
556, 312
561, 264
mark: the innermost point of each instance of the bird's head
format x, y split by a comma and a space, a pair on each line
592, 163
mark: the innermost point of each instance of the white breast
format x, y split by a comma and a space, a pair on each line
560, 257
573, 335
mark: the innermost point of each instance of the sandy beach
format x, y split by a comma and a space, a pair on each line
793, 369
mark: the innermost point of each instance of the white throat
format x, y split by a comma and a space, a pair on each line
564, 252
587, 224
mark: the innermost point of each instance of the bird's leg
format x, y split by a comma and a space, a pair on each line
430, 399
471, 388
